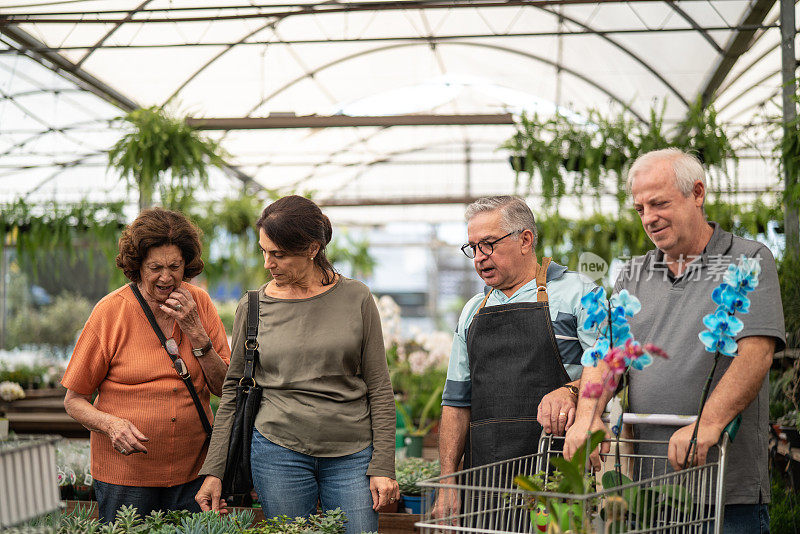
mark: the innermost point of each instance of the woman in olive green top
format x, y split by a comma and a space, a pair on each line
325, 429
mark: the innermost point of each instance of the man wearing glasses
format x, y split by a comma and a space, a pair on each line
515, 362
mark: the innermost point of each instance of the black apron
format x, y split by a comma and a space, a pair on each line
513, 363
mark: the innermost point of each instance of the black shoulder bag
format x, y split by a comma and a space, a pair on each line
177, 363
238, 478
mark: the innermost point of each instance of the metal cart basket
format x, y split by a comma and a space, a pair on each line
657, 499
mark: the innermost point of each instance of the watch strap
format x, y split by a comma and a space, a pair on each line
202, 351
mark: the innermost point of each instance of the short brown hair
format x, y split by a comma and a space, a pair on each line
156, 227
294, 223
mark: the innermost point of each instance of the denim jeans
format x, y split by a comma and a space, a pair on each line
111, 497
746, 519
290, 483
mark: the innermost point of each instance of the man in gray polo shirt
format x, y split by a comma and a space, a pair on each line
674, 283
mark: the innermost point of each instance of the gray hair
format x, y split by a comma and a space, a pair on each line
515, 213
686, 167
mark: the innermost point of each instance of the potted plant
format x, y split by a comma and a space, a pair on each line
418, 370
9, 392
409, 472
416, 428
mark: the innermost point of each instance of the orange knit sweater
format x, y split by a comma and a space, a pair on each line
119, 356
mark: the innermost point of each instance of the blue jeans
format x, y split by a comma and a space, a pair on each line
111, 497
746, 519
290, 483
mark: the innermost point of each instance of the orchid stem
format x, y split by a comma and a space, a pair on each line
690, 452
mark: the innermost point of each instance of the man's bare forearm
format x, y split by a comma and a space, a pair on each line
741, 383
452, 437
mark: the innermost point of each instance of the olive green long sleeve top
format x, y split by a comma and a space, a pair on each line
323, 368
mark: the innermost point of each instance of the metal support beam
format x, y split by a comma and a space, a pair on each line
788, 71
737, 45
394, 201
341, 121
61, 65
77, 75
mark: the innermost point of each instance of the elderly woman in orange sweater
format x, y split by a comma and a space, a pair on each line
148, 439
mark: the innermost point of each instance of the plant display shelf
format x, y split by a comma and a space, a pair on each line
388, 523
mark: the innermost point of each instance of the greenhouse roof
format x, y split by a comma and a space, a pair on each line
455, 68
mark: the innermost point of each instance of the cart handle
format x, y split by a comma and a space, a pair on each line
666, 419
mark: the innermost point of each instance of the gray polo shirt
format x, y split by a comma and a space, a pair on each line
671, 317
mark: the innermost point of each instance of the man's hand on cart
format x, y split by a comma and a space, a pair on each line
707, 436
446, 507
556, 412
576, 436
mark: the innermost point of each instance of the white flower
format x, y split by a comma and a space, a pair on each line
11, 391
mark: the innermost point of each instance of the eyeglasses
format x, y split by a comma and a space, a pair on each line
487, 247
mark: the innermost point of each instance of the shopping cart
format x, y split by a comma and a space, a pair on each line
657, 499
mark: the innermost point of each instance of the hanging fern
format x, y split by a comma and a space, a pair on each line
157, 145
595, 154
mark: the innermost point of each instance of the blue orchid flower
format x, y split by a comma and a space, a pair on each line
596, 353
730, 300
718, 342
723, 323
622, 333
641, 362
592, 300
744, 276
618, 316
594, 319
628, 302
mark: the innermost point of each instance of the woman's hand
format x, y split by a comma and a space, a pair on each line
181, 306
384, 491
124, 436
209, 496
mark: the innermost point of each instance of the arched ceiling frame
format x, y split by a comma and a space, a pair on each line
103, 39
215, 58
431, 39
737, 45
693, 23
528, 55
652, 70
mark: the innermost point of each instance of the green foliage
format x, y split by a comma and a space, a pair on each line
56, 325
782, 392
596, 153
330, 522
572, 477
30, 376
354, 253
410, 471
34, 230
784, 512
128, 521
159, 143
623, 236
422, 426
416, 393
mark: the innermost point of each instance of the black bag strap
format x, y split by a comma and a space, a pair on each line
251, 343
177, 363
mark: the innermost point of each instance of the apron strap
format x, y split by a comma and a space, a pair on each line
541, 284
541, 280
483, 303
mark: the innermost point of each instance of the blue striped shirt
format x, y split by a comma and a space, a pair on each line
564, 289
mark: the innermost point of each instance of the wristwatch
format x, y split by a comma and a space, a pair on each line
572, 389
199, 353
